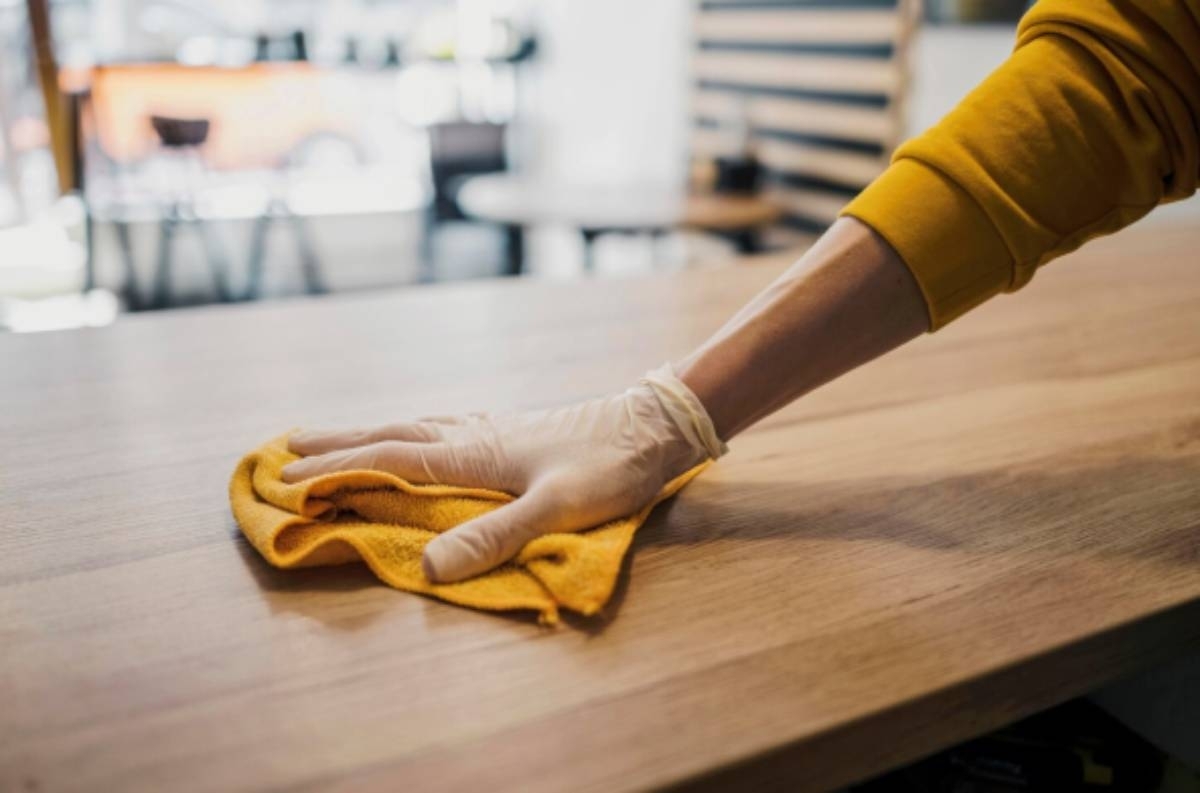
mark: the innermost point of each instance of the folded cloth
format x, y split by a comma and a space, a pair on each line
385, 521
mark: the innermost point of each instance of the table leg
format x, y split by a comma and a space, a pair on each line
656, 237
514, 249
589, 248
746, 240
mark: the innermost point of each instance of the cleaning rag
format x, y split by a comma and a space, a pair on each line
385, 521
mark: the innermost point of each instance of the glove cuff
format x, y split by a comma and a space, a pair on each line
685, 410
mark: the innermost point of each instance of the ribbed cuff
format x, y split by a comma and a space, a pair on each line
955, 253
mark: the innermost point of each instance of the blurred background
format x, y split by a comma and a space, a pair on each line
158, 154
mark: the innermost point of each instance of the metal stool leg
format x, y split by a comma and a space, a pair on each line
254, 266
129, 287
162, 277
218, 263
309, 263
89, 238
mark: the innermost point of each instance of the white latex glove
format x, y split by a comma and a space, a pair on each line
572, 468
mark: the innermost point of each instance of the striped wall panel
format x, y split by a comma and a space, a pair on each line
798, 72
821, 84
785, 27
834, 121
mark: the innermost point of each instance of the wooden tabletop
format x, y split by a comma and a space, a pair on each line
523, 200
987, 522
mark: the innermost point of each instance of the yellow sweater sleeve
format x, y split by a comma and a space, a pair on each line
1093, 121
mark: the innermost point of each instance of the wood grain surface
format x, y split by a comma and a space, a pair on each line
982, 524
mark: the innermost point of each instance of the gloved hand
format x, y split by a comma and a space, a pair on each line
571, 468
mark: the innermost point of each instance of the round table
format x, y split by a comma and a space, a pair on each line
518, 201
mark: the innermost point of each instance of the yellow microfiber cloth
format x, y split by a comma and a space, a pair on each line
385, 521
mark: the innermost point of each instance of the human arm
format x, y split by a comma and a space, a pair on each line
847, 300
1090, 124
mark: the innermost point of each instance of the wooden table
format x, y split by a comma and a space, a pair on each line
989, 521
518, 201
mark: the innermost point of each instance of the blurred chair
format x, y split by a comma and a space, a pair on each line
279, 210
182, 140
164, 171
457, 151
821, 88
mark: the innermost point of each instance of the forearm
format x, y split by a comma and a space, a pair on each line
1089, 125
848, 300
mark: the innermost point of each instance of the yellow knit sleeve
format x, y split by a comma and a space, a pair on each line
1091, 123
